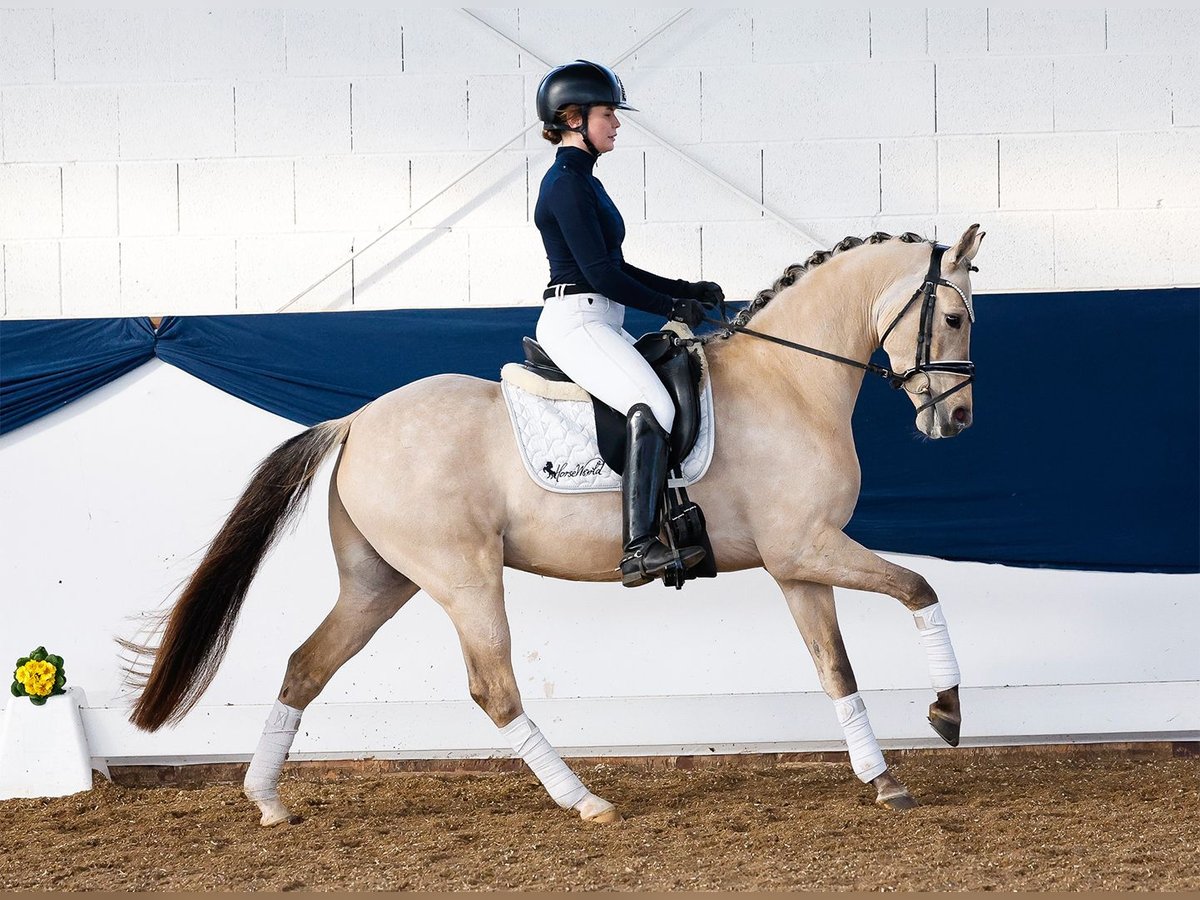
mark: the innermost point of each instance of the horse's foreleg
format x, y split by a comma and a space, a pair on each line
813, 608
479, 617
838, 560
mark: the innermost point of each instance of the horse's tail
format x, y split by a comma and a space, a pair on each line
200, 624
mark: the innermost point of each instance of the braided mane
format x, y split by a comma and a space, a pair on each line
793, 272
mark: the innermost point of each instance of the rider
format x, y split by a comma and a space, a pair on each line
590, 286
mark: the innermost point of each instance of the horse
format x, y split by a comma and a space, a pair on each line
783, 393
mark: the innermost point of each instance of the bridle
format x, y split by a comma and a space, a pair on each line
923, 364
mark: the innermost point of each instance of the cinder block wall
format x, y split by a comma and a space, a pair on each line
180, 161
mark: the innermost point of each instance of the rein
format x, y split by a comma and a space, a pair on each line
923, 365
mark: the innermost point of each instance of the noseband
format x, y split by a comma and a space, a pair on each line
923, 365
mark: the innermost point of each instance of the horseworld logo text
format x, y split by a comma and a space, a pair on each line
593, 467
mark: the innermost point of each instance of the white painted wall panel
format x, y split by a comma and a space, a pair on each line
177, 276
31, 279
294, 117
1077, 171
494, 194
1089, 248
344, 41
91, 277
1018, 252
1185, 90
111, 45
226, 43
1136, 29
957, 31
1104, 93
704, 37
271, 269
235, 196
175, 121
26, 46
411, 112
1034, 32
791, 35
822, 179
354, 193
673, 247
561, 33
987, 95
30, 201
669, 103
59, 123
1160, 169
148, 198
908, 176
1185, 245
968, 174
415, 267
495, 110
89, 200
447, 41
507, 266
898, 33
677, 191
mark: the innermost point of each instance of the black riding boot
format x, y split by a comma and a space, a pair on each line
646, 557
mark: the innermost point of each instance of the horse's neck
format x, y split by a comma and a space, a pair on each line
831, 309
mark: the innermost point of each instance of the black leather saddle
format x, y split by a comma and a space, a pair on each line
674, 363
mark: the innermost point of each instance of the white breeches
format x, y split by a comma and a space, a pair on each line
583, 335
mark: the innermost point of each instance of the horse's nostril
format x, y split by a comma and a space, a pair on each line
960, 414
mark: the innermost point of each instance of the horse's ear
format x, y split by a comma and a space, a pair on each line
966, 248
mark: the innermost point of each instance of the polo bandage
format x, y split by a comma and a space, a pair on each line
935, 638
262, 778
530, 744
865, 756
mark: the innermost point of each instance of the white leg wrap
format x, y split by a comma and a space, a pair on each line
865, 755
530, 744
262, 778
935, 638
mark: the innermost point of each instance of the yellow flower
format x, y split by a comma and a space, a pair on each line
38, 677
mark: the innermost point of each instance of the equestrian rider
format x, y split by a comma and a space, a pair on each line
591, 284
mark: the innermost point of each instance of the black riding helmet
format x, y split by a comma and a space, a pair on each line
581, 82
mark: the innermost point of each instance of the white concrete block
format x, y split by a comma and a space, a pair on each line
236, 196
995, 95
292, 117
1185, 91
745, 257
677, 191
494, 194
908, 176
31, 280
91, 278
1061, 171
671, 250
957, 31
898, 33
1185, 246
1017, 253
26, 46
170, 276
789, 35
176, 121
704, 37
59, 124
89, 199
1160, 169
824, 179
410, 113
1051, 32
1105, 249
147, 198
30, 201
495, 110
344, 41
358, 194
623, 174
669, 104
273, 269
418, 267
507, 266
450, 41
1134, 29
1103, 93
968, 174
563, 33
111, 45
226, 43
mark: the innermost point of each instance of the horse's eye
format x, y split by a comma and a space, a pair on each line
953, 321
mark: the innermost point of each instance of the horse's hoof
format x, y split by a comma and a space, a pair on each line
596, 809
275, 813
611, 817
899, 802
947, 729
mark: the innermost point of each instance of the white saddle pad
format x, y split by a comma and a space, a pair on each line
555, 427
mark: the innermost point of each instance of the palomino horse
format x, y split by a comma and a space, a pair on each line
779, 410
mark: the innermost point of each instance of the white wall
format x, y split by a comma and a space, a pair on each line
107, 504
179, 161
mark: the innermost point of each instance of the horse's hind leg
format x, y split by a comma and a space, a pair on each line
475, 605
370, 593
812, 607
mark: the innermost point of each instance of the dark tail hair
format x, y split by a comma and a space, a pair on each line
201, 622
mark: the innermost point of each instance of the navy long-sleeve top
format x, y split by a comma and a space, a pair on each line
583, 230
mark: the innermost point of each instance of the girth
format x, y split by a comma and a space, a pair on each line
679, 370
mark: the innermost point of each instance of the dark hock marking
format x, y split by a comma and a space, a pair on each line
945, 715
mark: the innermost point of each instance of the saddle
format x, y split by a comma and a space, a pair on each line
680, 371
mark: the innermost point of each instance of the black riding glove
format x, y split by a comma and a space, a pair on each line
689, 312
707, 292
